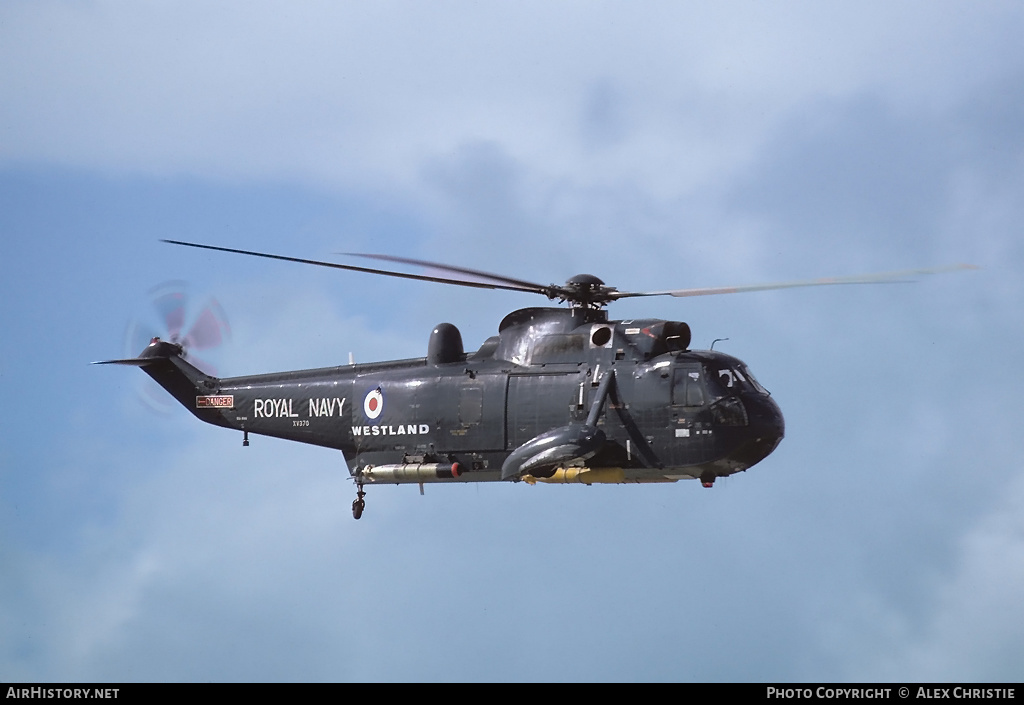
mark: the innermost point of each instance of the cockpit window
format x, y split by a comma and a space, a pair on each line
753, 381
727, 378
734, 379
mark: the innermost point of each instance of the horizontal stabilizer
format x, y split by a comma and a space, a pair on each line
156, 351
132, 361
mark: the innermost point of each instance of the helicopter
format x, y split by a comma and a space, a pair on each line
560, 395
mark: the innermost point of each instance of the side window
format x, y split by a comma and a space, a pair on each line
694, 390
687, 387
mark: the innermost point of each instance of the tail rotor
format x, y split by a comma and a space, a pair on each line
171, 315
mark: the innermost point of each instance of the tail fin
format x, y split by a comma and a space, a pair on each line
188, 384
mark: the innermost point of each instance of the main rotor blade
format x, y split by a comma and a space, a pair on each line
479, 277
367, 270
881, 278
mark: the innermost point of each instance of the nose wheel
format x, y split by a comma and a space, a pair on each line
359, 504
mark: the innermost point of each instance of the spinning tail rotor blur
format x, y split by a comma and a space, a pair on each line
171, 315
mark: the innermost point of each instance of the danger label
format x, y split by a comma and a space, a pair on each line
216, 401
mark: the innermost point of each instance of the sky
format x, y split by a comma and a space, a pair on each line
656, 145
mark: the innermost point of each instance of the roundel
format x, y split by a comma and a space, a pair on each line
373, 403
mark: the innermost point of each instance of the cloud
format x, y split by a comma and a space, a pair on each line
352, 96
971, 629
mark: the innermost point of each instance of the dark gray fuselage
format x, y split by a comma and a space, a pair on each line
671, 413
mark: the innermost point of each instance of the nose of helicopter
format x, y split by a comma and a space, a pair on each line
765, 413
767, 428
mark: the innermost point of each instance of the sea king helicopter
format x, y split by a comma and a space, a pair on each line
559, 395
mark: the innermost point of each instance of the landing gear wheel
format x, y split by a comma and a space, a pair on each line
359, 504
